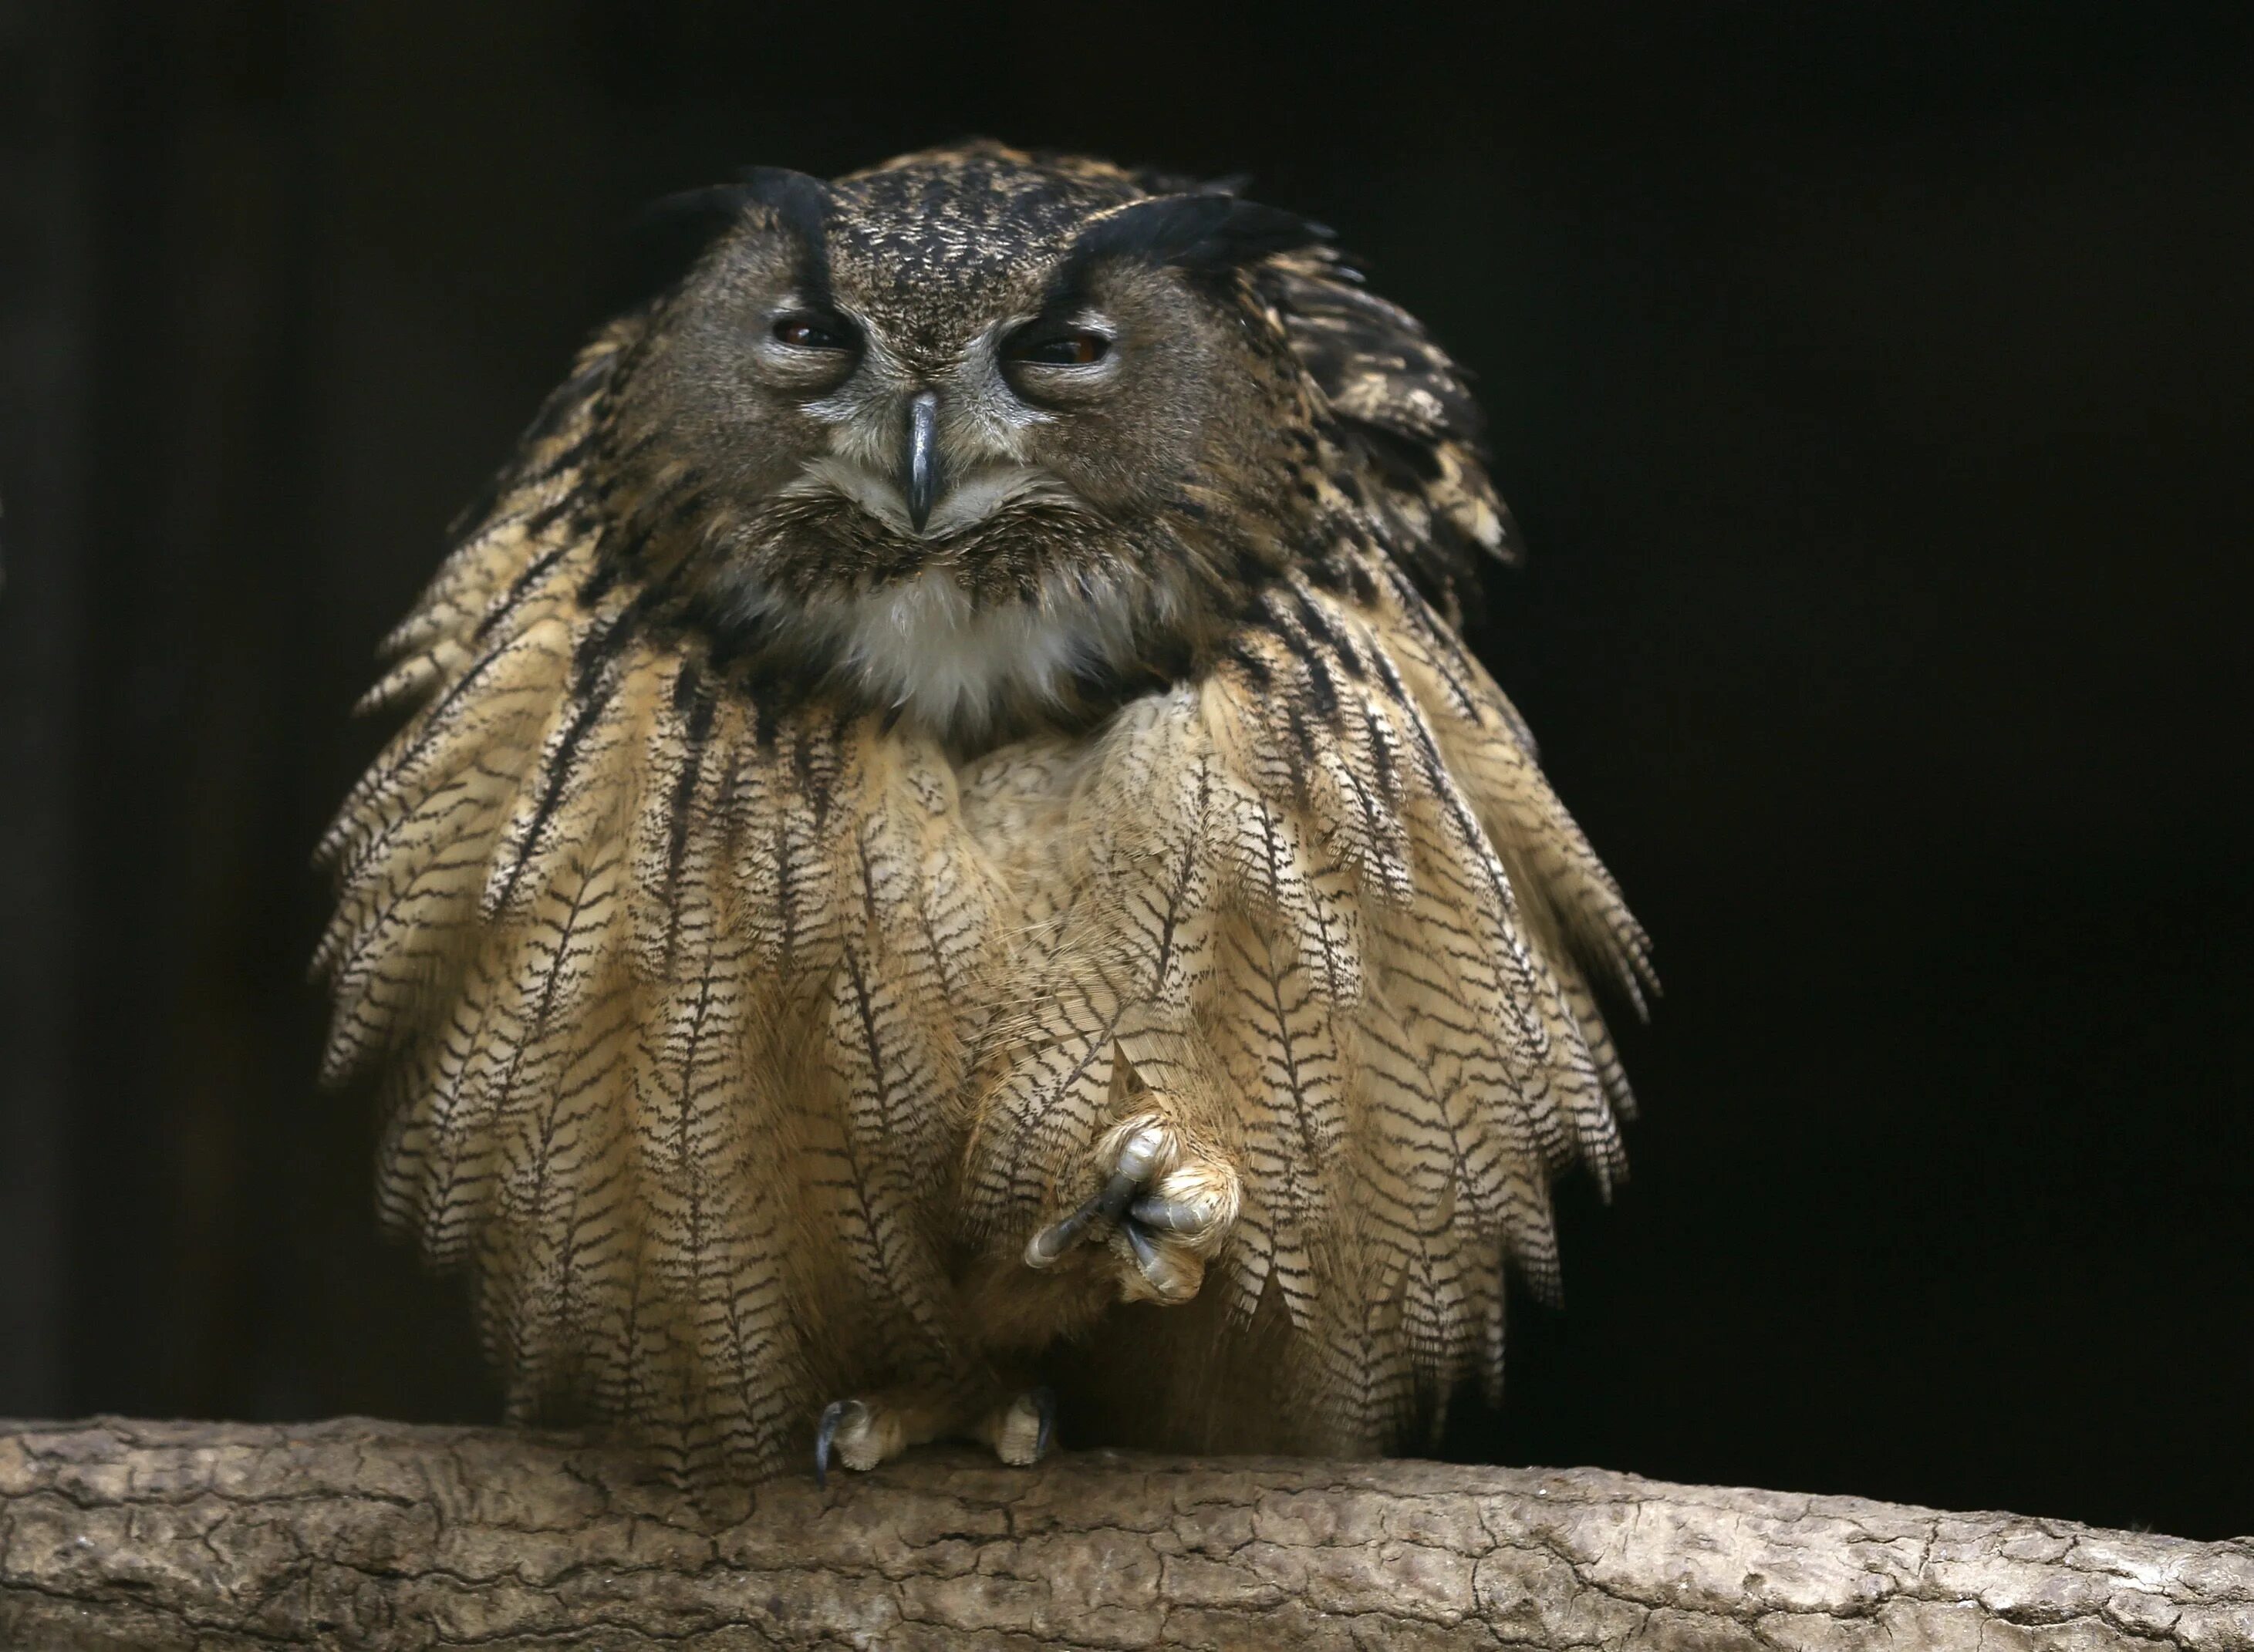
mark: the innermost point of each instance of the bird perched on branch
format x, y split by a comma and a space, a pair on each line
947, 834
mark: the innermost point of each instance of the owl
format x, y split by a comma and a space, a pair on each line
949, 866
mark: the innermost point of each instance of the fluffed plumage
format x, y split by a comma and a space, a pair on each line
777, 915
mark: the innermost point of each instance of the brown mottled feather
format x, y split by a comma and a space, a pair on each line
738, 1032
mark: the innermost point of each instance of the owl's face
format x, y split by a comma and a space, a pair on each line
952, 431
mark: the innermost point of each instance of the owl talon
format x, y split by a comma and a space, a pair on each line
1171, 1215
1045, 1248
847, 1424
1021, 1432
1170, 1209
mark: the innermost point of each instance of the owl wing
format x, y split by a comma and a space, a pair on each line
1399, 418
673, 995
1324, 908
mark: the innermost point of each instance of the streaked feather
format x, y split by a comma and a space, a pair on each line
738, 1032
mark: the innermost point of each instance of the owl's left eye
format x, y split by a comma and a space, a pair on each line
812, 333
1074, 349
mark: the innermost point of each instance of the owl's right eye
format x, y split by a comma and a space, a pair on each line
812, 333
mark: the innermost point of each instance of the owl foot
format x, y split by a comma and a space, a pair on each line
1019, 1432
862, 1433
1164, 1209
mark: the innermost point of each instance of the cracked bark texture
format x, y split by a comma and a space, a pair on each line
358, 1533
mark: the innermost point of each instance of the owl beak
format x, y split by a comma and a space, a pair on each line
922, 466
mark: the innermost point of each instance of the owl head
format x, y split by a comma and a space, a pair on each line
974, 435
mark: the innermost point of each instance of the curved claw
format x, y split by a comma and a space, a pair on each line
1171, 1215
1045, 1248
1138, 1158
833, 1416
1170, 1278
1045, 1403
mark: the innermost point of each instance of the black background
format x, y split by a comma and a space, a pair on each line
1873, 387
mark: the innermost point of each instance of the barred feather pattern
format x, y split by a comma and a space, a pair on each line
724, 1040
1322, 907
677, 1002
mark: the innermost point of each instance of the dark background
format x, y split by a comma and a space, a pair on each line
1874, 387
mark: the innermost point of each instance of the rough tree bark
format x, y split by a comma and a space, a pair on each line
355, 1533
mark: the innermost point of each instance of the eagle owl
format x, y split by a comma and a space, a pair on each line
949, 851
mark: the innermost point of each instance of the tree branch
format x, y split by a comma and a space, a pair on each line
357, 1533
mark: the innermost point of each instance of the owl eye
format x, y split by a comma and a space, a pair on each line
1061, 350
812, 333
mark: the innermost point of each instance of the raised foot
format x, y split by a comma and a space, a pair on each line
1164, 1209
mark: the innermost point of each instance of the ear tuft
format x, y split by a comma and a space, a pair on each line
655, 249
1204, 234
802, 203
